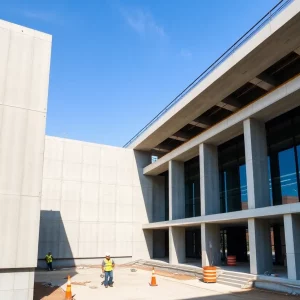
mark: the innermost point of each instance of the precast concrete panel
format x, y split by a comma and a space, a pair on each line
124, 176
90, 173
40, 75
91, 155
124, 232
19, 71
124, 195
73, 152
70, 210
9, 215
107, 212
69, 231
28, 232
34, 154
90, 192
4, 51
108, 157
87, 249
72, 171
51, 189
107, 193
88, 232
12, 140
88, 211
107, 232
71, 191
104, 200
52, 169
54, 148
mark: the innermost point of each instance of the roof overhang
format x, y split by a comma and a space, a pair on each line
275, 40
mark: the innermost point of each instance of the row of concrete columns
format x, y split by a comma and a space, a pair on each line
258, 196
259, 243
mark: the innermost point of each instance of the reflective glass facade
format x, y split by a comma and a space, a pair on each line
283, 138
232, 175
192, 188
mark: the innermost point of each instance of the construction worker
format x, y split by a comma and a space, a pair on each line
107, 268
49, 260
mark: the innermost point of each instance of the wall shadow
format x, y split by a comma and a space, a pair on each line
249, 294
53, 237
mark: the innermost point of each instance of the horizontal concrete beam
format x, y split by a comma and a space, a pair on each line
251, 59
262, 84
281, 99
232, 217
297, 51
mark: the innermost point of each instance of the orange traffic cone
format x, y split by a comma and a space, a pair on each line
68, 290
153, 279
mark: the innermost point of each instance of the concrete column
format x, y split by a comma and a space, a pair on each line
210, 243
260, 246
158, 198
292, 238
176, 190
176, 245
256, 164
209, 180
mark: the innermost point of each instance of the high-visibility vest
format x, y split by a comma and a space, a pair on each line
108, 265
49, 258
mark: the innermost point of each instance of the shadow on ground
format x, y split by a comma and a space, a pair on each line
50, 293
253, 294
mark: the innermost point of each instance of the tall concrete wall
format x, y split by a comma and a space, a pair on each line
94, 199
24, 75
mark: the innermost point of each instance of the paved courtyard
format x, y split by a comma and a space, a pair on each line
135, 286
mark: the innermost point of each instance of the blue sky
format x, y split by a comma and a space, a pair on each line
116, 64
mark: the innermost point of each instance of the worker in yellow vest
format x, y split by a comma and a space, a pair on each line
107, 268
49, 260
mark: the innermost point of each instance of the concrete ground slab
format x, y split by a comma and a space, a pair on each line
135, 286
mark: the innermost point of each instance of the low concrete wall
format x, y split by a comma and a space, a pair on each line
282, 285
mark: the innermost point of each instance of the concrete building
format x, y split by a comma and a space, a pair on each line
24, 75
215, 174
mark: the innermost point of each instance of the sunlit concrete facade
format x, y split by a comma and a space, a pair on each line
228, 185
247, 161
24, 75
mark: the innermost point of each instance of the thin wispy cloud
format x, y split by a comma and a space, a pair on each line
186, 53
142, 22
49, 17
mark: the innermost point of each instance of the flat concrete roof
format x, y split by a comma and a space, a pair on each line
276, 102
275, 40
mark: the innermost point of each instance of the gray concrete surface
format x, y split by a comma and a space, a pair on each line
94, 199
176, 245
256, 156
277, 102
135, 286
24, 76
209, 180
260, 246
176, 190
292, 237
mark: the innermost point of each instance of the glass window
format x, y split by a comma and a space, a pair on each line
283, 137
288, 180
243, 189
232, 174
192, 188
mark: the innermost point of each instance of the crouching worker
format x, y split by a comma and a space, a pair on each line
49, 260
107, 268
